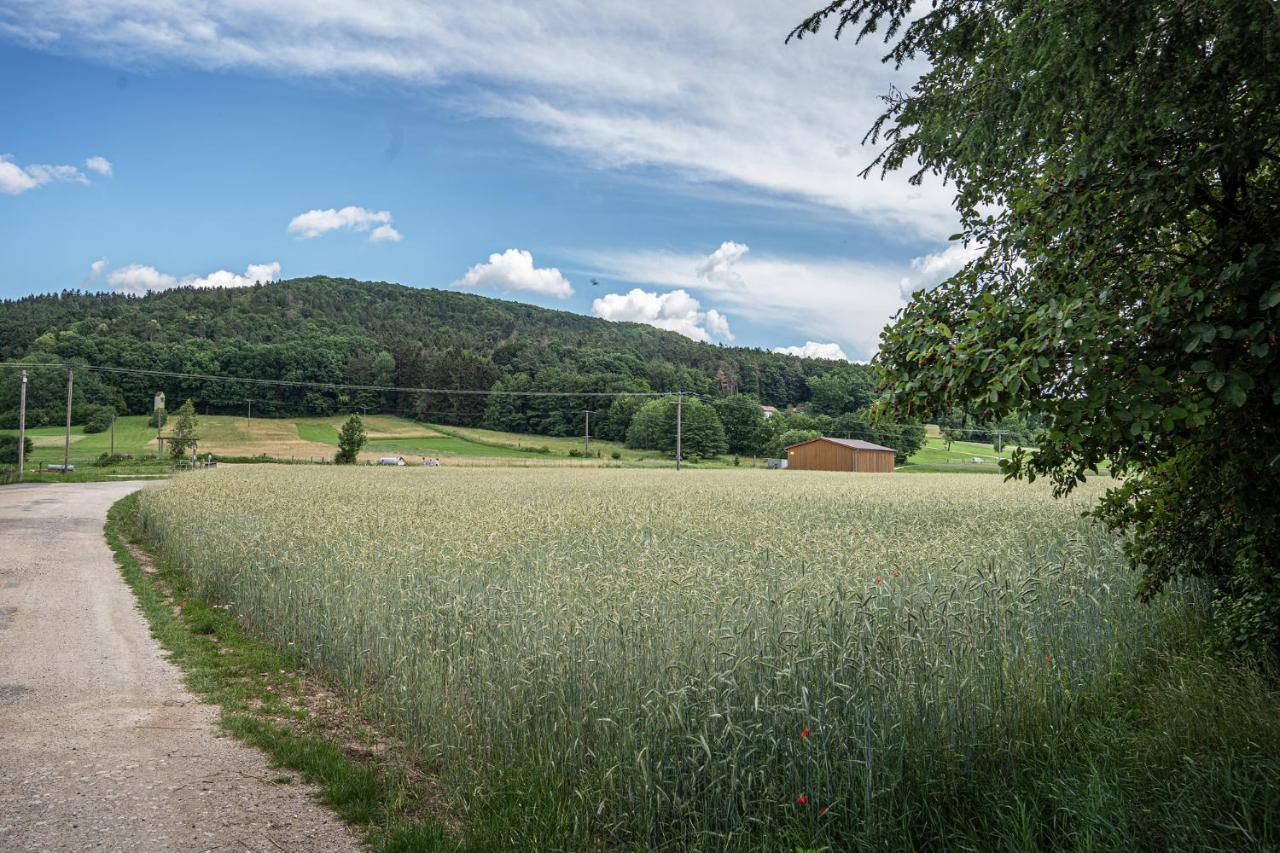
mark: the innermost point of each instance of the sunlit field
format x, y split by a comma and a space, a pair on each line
745, 659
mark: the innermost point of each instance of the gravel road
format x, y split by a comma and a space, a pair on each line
101, 745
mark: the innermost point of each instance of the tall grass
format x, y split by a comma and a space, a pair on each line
745, 659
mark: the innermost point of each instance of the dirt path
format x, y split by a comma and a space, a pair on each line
101, 746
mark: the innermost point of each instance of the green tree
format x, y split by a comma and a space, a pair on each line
98, 418
9, 449
1121, 191
654, 428
351, 438
777, 446
743, 421
846, 389
182, 439
616, 419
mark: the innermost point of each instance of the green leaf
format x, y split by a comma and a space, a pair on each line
1215, 382
1272, 298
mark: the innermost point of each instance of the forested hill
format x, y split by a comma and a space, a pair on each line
350, 332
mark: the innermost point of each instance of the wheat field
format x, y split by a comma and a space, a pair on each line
702, 660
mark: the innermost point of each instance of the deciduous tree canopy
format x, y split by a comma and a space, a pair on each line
1118, 166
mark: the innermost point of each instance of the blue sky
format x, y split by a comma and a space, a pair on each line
701, 171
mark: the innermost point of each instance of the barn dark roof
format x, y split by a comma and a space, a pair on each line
855, 443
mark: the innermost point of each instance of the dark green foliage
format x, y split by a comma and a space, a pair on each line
849, 388
351, 438
616, 419
654, 428
743, 422
778, 444
323, 330
98, 419
9, 449
1118, 165
47, 392
182, 437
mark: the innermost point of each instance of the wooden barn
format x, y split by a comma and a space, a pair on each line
840, 454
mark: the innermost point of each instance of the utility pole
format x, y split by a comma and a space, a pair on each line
113, 433
66, 444
22, 425
586, 430
999, 445
679, 427
250, 418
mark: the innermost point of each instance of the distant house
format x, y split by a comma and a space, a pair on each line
769, 411
840, 454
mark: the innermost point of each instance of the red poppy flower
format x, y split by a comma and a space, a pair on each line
879, 580
897, 574
1048, 660
802, 799
823, 810
804, 734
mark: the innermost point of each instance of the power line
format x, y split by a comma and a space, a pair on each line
335, 386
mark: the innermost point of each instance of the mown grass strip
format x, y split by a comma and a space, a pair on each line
254, 684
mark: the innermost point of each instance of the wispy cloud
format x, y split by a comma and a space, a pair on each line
101, 165
314, 223
823, 298
15, 179
95, 270
842, 301
707, 91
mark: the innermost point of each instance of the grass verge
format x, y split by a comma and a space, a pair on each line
268, 702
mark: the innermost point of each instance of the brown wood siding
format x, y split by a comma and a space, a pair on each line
829, 456
873, 461
820, 456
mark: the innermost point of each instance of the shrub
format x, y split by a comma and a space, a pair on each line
98, 419
9, 449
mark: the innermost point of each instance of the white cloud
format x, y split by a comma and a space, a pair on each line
931, 270
385, 234
675, 311
813, 349
95, 270
831, 299
707, 90
15, 179
138, 279
101, 165
840, 300
514, 270
313, 223
719, 265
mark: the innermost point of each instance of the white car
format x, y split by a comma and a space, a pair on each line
392, 460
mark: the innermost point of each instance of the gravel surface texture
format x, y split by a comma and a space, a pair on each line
101, 745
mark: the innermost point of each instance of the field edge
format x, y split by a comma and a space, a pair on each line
251, 682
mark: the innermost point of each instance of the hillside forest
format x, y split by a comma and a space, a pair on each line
320, 331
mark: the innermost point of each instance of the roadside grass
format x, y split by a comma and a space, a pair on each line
265, 701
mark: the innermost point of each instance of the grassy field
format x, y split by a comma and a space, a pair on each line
304, 439
937, 457
745, 659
